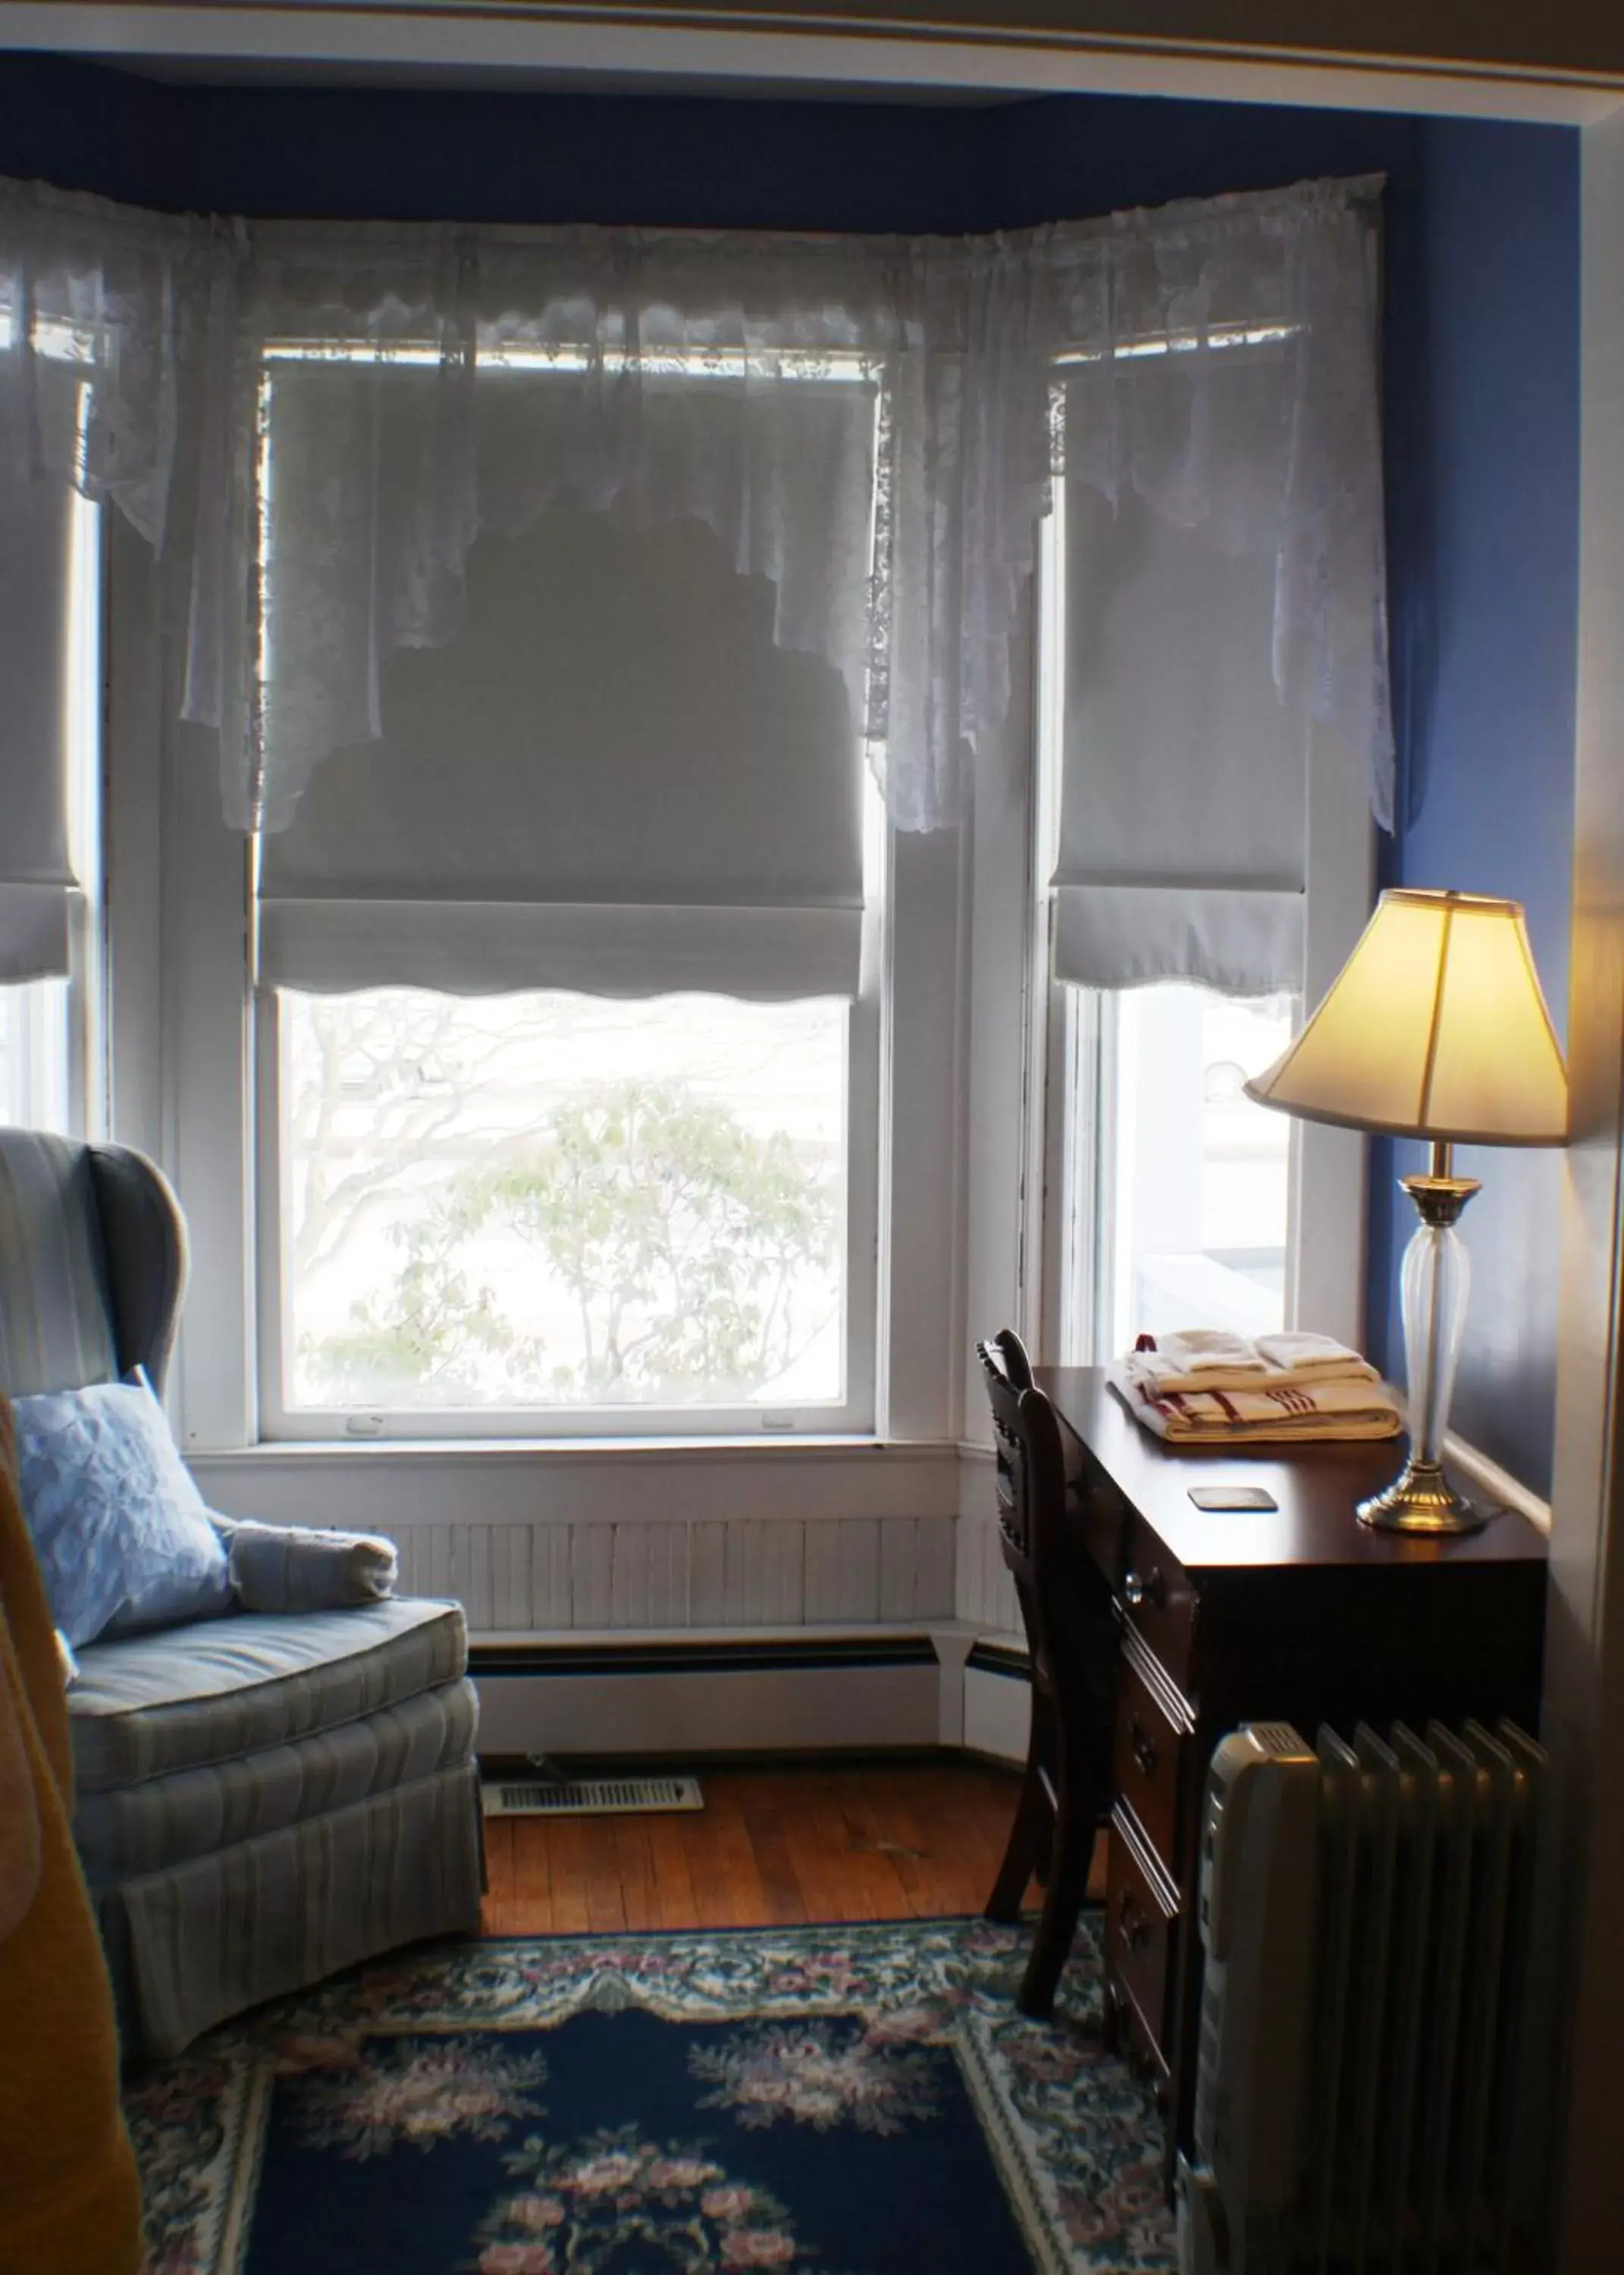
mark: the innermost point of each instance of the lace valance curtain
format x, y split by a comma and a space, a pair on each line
136, 354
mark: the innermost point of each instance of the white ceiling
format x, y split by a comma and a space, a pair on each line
518, 44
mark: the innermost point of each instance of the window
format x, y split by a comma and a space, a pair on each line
50, 1026
553, 1201
36, 1055
568, 996
1178, 1209
1186, 824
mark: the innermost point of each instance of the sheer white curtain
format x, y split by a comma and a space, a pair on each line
37, 879
1215, 411
994, 364
1221, 361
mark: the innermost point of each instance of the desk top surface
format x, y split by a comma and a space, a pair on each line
1317, 1488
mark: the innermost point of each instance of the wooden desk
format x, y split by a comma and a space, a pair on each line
1301, 1614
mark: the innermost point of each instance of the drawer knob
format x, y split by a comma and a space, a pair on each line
1142, 1749
1145, 1588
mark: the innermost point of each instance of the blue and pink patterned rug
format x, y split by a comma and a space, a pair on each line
818, 2101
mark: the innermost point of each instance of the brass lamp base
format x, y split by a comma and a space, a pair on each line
1421, 1499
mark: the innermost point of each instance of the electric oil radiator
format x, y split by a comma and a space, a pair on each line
1366, 2048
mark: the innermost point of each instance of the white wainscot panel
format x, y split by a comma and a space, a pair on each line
984, 1594
516, 1579
632, 1539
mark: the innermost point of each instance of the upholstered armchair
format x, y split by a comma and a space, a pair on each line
263, 1797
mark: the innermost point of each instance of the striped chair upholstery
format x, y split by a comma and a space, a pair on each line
56, 1329
261, 1799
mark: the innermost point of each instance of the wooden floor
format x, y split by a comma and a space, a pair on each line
771, 1848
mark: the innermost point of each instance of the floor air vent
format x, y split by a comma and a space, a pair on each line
592, 1796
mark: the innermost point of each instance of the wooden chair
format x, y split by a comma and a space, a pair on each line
1071, 1641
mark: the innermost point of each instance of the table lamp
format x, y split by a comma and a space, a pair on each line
1436, 1027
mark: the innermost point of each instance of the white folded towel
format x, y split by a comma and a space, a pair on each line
1258, 1413
1207, 1350
1299, 1352
1191, 1360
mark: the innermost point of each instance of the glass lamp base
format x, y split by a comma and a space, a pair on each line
1436, 1275
1421, 1499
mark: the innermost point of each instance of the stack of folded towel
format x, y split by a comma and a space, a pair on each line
1205, 1387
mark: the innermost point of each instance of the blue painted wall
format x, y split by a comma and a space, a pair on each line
1483, 430
689, 162
1481, 367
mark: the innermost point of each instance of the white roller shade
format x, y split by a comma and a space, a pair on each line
1183, 785
36, 872
611, 780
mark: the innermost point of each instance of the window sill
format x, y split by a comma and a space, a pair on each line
774, 1445
697, 1519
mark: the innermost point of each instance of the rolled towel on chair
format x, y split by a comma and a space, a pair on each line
289, 1568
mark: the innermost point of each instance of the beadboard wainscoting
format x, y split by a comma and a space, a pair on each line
995, 1693
983, 1593
540, 1540
540, 1578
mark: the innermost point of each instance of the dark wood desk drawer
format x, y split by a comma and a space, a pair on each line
1140, 1913
1154, 1591
1147, 1758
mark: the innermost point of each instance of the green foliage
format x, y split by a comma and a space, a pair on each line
431, 1338
686, 1247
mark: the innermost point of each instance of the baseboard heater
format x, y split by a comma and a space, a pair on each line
649, 1700
997, 1699
1367, 2086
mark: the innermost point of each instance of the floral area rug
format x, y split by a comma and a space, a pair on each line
820, 2101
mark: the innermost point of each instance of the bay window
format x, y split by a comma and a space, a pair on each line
552, 612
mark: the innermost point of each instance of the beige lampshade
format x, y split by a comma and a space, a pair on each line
1435, 1027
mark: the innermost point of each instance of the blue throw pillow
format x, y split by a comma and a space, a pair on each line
120, 1530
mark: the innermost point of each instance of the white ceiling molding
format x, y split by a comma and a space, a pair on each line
522, 42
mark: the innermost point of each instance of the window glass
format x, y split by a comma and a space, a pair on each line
551, 1200
35, 1054
1194, 1179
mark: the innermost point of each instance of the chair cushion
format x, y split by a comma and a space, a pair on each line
145, 1705
197, 1812
122, 1536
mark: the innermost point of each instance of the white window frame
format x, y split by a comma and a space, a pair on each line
853, 1414
77, 1014
88, 1080
1071, 1110
184, 1058
861, 1411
